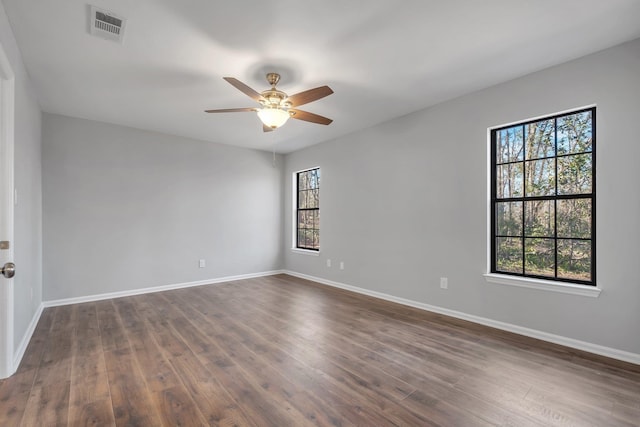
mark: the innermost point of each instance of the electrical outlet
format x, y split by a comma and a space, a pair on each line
202, 263
341, 265
328, 262
444, 283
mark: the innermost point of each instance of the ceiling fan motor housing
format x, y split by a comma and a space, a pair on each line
275, 98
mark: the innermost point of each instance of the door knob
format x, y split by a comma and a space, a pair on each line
8, 270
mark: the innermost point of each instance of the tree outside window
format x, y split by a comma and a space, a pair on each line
308, 209
543, 198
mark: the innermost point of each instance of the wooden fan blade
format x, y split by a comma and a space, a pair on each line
309, 95
231, 110
266, 128
309, 117
244, 88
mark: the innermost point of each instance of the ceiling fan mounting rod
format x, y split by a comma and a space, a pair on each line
273, 79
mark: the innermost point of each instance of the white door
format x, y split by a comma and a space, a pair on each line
6, 214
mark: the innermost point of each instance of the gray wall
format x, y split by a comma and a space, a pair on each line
28, 212
405, 203
126, 209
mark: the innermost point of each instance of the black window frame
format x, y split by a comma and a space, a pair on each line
555, 197
315, 210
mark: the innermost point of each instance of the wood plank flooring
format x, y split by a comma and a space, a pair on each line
281, 351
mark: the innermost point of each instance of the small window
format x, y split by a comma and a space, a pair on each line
308, 210
543, 198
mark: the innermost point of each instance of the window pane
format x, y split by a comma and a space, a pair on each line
313, 199
539, 257
509, 145
574, 259
574, 174
308, 223
314, 178
575, 133
540, 139
509, 254
302, 218
308, 238
539, 216
300, 238
509, 180
302, 181
541, 179
308, 217
574, 218
316, 239
509, 218
302, 199
316, 220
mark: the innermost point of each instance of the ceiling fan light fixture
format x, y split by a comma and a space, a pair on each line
273, 117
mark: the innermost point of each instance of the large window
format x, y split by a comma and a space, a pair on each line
543, 198
308, 209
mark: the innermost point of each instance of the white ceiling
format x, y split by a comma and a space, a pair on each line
383, 58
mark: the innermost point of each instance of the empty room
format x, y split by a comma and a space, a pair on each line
336, 213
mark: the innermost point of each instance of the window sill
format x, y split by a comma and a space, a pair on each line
543, 285
305, 252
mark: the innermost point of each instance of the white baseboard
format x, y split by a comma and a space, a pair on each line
120, 294
533, 333
24, 343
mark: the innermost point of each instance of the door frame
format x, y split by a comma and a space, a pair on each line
7, 202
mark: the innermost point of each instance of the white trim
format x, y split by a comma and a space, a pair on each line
24, 343
139, 291
7, 123
544, 285
533, 333
305, 252
489, 171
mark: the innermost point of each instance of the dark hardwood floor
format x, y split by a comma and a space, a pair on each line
281, 351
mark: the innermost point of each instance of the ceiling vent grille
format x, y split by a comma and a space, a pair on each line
106, 24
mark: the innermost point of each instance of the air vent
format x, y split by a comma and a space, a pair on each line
106, 24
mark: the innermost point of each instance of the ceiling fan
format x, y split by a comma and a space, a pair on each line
276, 106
